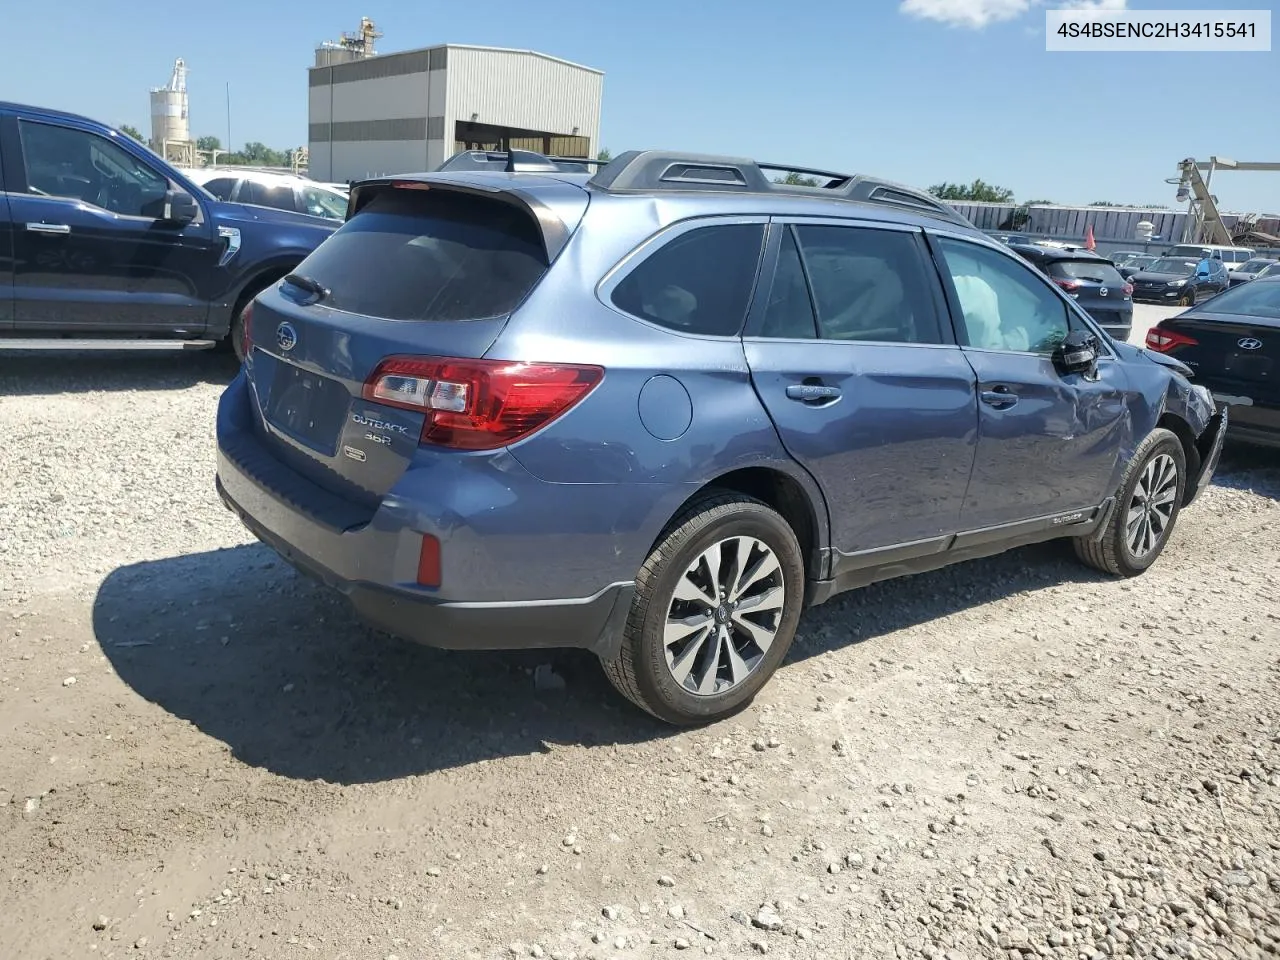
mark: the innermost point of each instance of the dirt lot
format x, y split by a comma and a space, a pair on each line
207, 756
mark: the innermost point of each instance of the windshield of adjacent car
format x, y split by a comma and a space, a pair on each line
1255, 299
1255, 266
322, 202
1170, 265
1094, 271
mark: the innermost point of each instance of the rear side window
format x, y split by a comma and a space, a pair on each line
700, 282
1090, 270
221, 187
430, 255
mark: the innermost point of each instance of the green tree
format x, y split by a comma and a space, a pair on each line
131, 131
978, 191
796, 180
208, 144
1037, 203
604, 156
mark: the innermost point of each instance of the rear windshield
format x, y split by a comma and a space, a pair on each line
1258, 298
429, 255
1091, 270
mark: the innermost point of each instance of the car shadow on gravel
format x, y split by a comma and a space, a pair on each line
1247, 467
280, 670
34, 374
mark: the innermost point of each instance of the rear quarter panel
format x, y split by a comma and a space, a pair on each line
697, 391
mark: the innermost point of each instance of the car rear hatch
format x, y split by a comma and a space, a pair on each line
1097, 286
423, 268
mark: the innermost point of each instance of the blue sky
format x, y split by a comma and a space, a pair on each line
915, 90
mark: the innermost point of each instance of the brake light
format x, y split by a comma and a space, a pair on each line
1162, 341
246, 335
1127, 289
479, 404
1066, 284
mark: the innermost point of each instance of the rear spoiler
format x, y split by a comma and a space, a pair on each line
555, 233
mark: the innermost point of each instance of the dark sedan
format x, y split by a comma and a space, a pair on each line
1178, 280
1232, 345
1251, 270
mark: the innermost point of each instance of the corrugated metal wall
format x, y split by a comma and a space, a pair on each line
1118, 223
523, 89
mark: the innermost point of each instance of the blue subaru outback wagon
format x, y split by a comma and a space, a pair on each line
657, 411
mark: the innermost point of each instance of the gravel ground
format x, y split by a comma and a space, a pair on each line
207, 756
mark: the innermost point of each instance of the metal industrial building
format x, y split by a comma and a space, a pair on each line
373, 115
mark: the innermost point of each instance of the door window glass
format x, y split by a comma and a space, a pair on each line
64, 162
1004, 305
868, 285
789, 313
221, 187
265, 195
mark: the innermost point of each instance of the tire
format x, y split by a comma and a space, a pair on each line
236, 335
1187, 299
1118, 549
727, 525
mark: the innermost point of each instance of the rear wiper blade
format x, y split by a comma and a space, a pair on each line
312, 286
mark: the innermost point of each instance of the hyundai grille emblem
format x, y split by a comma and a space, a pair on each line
286, 337
1249, 343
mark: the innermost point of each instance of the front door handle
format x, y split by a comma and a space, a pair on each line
813, 393
48, 228
998, 397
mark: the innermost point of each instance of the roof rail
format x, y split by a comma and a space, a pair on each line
647, 171
515, 161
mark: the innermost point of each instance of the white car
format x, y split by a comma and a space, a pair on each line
279, 190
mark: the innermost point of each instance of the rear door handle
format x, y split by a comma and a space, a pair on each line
998, 397
48, 228
814, 393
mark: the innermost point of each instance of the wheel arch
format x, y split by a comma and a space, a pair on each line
796, 498
1190, 451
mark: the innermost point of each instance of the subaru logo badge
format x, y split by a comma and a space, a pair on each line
1249, 343
286, 337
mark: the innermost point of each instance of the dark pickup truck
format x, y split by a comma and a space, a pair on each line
105, 245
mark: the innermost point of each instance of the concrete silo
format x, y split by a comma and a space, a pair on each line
170, 126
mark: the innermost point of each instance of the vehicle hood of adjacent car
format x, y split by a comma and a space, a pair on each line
1144, 277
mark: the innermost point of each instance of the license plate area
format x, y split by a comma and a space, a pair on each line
1244, 366
307, 406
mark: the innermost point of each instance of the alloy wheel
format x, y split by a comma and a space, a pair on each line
1152, 505
724, 615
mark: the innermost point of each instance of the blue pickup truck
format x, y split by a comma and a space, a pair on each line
105, 245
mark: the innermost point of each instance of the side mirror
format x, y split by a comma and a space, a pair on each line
1078, 353
179, 207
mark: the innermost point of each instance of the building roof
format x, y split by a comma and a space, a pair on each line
467, 46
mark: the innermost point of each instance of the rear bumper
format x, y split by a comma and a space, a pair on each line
594, 623
527, 564
1256, 424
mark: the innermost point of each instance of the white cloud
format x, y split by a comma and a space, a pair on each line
976, 14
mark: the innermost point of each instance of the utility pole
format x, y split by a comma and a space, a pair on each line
229, 147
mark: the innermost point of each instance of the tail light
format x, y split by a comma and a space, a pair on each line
1127, 289
479, 404
1162, 341
246, 324
1065, 284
